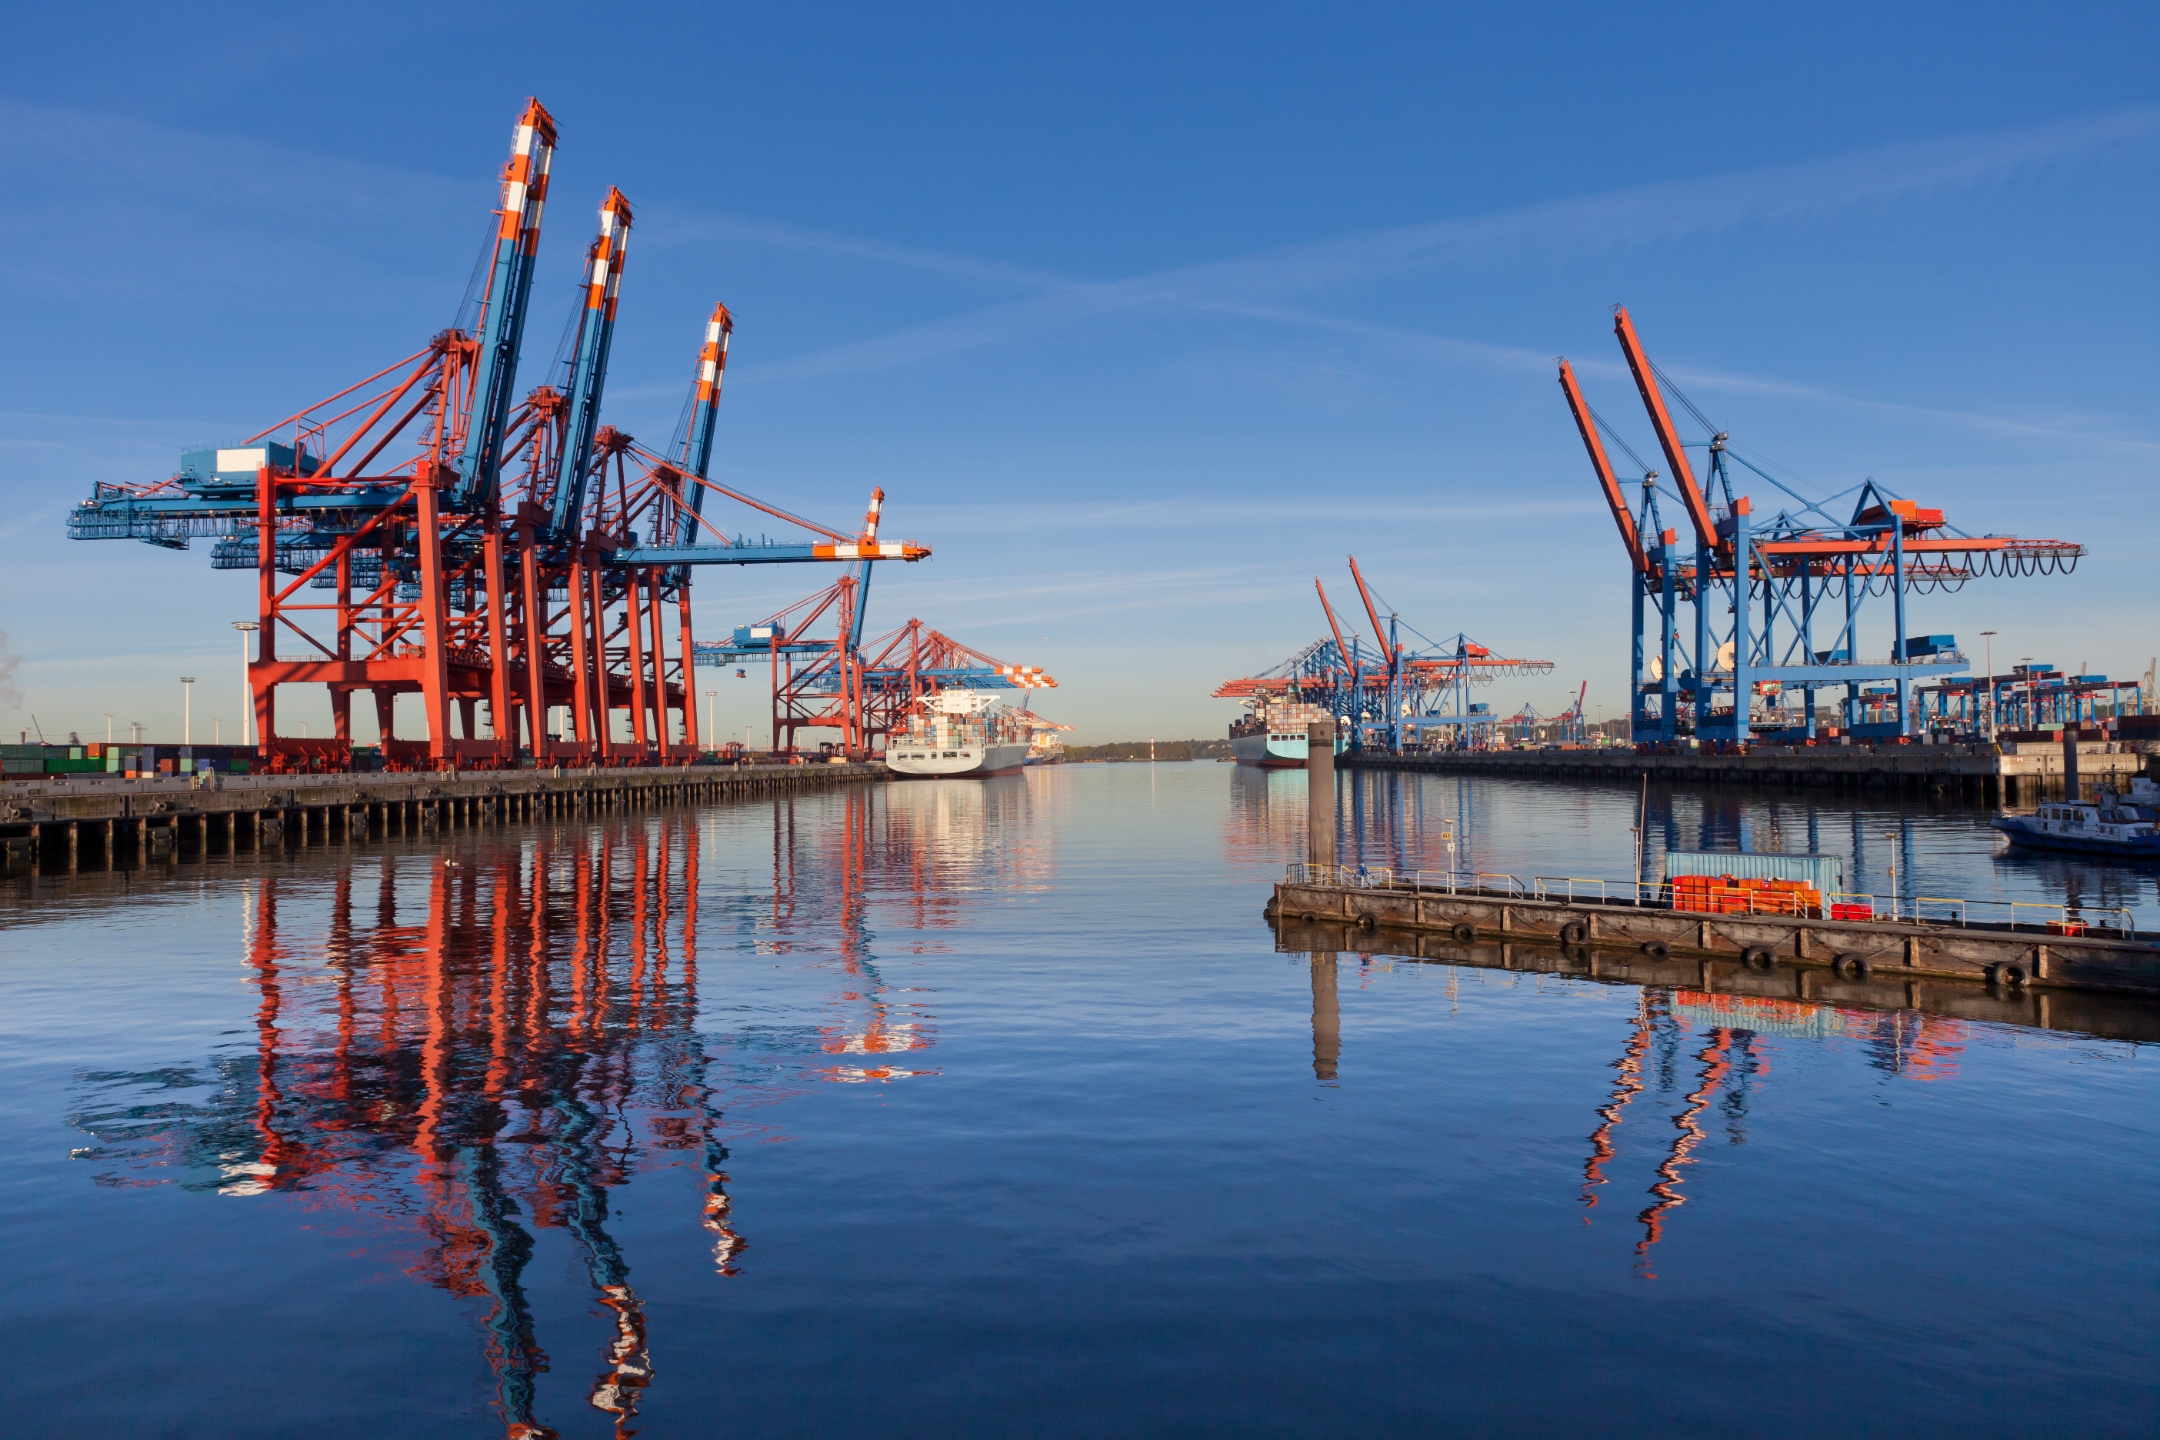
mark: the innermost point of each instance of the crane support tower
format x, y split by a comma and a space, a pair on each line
479, 549
1774, 602
1389, 695
864, 688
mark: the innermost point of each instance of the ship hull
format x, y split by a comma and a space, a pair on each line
969, 763
2032, 836
1276, 751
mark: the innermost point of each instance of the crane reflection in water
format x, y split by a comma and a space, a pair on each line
1726, 1070
475, 1047
1729, 1068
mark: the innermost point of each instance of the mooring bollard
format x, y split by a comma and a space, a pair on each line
1320, 793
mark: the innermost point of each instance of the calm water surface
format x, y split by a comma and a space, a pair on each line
989, 1108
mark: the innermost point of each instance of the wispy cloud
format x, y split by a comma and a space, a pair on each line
1738, 383
228, 213
675, 230
1518, 359
1201, 515
1637, 215
11, 696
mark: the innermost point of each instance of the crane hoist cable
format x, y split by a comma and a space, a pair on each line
1605, 427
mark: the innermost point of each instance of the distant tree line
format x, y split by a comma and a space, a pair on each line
1164, 750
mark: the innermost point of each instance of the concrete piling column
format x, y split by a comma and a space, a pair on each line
2070, 766
1320, 793
1326, 1017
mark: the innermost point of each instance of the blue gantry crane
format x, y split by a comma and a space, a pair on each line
1776, 602
1388, 695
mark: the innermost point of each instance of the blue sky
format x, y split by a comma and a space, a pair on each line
1143, 316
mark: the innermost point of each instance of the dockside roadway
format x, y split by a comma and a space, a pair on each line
2008, 774
69, 822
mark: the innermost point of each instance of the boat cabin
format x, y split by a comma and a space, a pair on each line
2110, 822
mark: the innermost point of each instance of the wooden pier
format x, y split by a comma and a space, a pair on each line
76, 822
1989, 774
1802, 950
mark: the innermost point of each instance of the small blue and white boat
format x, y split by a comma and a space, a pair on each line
2109, 826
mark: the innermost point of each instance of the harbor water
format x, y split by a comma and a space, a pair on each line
990, 1107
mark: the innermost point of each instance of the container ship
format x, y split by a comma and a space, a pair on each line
1273, 736
959, 734
1045, 743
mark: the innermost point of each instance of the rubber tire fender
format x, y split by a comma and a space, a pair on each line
2006, 974
1657, 949
1307, 916
1758, 959
1464, 932
1575, 932
1366, 922
1851, 966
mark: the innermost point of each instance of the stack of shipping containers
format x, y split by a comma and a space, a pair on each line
21, 761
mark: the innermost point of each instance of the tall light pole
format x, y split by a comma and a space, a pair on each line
187, 709
247, 692
1989, 720
709, 694
108, 729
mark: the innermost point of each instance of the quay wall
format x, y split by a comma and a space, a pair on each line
70, 822
1968, 772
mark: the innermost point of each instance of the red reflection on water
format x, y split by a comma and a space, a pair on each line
484, 1048
1625, 1088
1716, 1058
1906, 1043
493, 1062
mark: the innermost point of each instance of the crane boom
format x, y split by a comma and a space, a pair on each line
1587, 424
1371, 613
1668, 437
596, 331
862, 570
704, 416
517, 243
1341, 650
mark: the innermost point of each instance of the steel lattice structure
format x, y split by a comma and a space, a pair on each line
478, 548
1388, 695
864, 688
1776, 601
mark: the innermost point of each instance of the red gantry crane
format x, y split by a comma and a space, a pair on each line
440, 576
